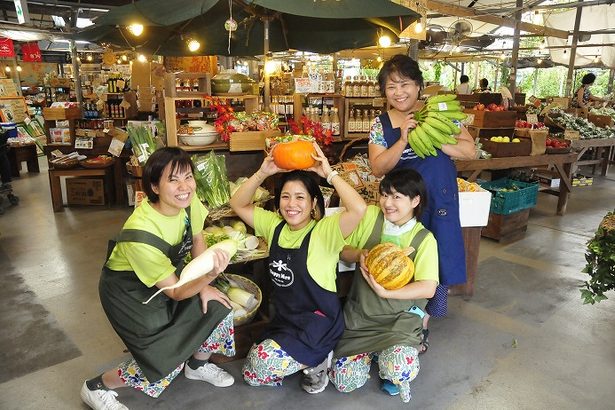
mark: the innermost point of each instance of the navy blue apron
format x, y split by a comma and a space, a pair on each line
164, 333
441, 216
308, 319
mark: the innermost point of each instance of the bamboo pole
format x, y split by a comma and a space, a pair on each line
515, 53
267, 90
573, 51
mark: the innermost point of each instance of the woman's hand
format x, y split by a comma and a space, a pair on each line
322, 166
409, 123
210, 293
268, 167
221, 260
376, 287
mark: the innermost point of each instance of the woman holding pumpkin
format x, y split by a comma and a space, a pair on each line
382, 322
304, 249
401, 81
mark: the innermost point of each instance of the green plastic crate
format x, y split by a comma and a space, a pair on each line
522, 196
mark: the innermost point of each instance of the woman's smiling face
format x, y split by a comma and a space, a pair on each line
296, 204
175, 190
402, 92
397, 207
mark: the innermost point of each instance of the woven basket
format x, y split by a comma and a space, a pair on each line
70, 164
251, 287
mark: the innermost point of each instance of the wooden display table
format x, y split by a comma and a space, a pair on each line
561, 162
604, 150
20, 153
55, 184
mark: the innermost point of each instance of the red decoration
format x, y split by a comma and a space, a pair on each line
306, 126
6, 48
31, 52
225, 116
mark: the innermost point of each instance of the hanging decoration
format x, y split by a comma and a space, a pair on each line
31, 52
6, 48
230, 24
109, 57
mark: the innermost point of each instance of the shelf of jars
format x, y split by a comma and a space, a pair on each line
327, 109
177, 109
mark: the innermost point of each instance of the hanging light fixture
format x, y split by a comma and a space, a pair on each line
502, 56
18, 68
141, 58
384, 41
539, 61
136, 29
124, 57
193, 45
7, 69
543, 44
418, 27
597, 59
89, 57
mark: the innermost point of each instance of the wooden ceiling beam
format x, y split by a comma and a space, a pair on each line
452, 10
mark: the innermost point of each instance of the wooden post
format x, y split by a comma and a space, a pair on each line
515, 53
609, 86
573, 50
267, 91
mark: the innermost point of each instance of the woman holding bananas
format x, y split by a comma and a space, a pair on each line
424, 137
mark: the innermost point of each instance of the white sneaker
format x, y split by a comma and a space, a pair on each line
101, 399
210, 373
316, 379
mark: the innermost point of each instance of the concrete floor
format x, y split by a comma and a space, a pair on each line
524, 341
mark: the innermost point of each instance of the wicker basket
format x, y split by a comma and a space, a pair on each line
70, 164
251, 287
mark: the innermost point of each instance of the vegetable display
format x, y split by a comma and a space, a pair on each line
390, 266
143, 143
201, 265
587, 130
212, 186
435, 126
293, 152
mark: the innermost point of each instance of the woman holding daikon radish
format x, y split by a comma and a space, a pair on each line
190, 320
304, 249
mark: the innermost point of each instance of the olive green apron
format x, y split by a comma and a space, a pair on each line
164, 333
374, 323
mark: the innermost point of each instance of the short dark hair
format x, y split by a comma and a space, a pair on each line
177, 157
588, 78
407, 182
404, 66
484, 83
464, 78
309, 181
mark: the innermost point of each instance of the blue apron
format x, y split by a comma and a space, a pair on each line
308, 319
441, 216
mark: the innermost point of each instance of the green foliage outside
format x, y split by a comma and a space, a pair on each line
600, 257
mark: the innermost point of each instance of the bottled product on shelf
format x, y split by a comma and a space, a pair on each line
335, 122
325, 120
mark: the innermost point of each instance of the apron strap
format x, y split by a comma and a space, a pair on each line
417, 241
374, 237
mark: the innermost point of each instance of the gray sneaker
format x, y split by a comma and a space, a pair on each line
101, 399
315, 379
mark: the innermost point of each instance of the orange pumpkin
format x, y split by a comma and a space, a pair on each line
294, 154
390, 266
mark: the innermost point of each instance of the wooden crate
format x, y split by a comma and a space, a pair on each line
251, 140
507, 228
507, 149
478, 132
493, 119
61, 113
600, 120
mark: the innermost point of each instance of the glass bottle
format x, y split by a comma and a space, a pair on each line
371, 88
335, 122
325, 119
364, 86
352, 121
347, 87
365, 122
356, 87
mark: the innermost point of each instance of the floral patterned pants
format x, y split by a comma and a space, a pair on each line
267, 364
399, 364
221, 340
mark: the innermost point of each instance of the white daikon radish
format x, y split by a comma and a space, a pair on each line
241, 296
250, 243
200, 265
238, 310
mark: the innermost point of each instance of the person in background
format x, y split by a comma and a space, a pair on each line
464, 85
483, 85
189, 322
401, 81
304, 248
583, 96
380, 322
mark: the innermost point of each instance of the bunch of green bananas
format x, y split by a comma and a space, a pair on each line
435, 126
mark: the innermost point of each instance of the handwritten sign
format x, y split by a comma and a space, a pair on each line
532, 118
572, 135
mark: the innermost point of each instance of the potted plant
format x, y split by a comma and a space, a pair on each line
600, 256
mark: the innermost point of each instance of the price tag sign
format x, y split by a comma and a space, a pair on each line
572, 135
303, 85
378, 102
532, 118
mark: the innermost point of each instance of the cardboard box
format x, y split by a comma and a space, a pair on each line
493, 119
85, 191
251, 140
474, 208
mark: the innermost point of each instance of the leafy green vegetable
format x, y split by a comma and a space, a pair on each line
600, 257
212, 186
